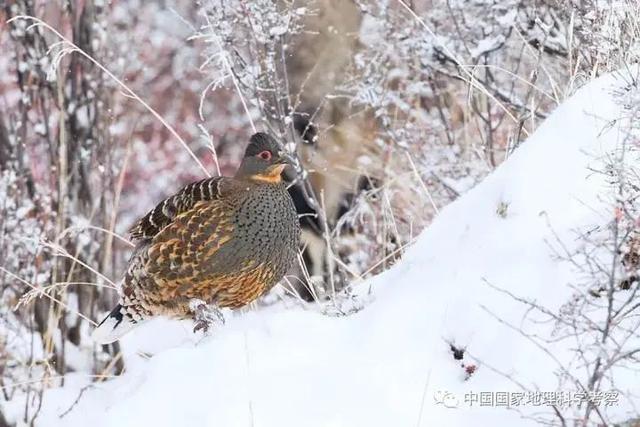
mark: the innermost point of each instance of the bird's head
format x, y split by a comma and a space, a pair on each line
264, 160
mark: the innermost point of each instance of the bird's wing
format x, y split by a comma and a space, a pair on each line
188, 259
165, 212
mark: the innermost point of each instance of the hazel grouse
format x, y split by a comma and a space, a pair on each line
221, 241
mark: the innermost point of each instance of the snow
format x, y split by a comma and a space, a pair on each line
390, 363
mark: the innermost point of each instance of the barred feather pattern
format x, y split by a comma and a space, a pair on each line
162, 215
132, 298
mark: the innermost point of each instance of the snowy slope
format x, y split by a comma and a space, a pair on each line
390, 363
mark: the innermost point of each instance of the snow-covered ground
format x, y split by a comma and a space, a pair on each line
390, 364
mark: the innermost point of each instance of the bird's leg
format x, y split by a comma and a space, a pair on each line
204, 315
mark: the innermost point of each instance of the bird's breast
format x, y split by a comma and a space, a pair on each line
266, 224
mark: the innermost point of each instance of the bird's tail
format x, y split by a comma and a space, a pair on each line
115, 325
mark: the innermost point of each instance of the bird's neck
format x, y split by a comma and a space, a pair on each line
274, 177
270, 176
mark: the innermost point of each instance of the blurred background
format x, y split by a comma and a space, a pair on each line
393, 108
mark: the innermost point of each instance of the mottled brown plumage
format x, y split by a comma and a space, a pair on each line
224, 241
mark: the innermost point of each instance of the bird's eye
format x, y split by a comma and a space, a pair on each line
265, 155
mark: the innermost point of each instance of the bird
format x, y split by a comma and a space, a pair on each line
221, 242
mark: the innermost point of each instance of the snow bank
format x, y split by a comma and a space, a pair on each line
390, 364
